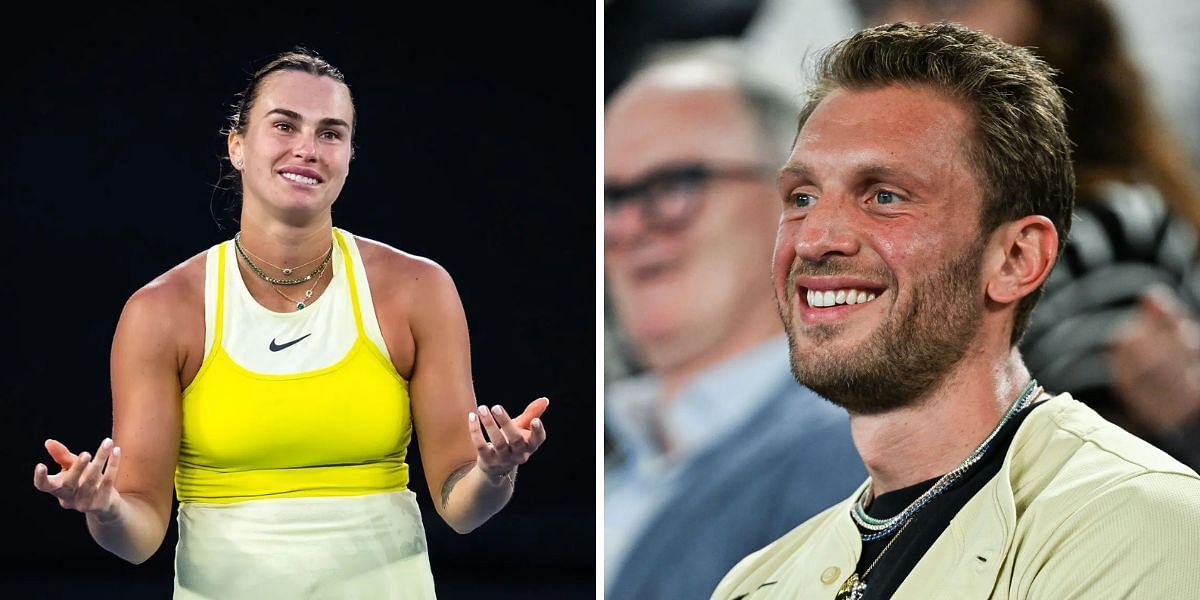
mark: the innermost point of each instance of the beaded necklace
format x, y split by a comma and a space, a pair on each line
237, 237
237, 243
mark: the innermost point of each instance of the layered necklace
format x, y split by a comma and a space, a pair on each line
875, 529
316, 273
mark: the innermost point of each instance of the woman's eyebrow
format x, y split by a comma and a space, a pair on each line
291, 114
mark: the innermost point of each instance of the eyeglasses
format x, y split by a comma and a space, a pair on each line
667, 197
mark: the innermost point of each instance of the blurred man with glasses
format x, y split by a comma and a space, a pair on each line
716, 449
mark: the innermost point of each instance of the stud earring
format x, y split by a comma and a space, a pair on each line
238, 164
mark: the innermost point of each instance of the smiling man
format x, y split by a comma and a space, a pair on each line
925, 201
719, 451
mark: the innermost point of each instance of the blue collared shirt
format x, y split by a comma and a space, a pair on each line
644, 475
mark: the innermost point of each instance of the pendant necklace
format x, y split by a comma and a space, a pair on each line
855, 586
300, 304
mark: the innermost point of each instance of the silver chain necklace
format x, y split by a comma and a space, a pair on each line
855, 586
882, 527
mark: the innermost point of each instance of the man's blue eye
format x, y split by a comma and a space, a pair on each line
885, 197
802, 200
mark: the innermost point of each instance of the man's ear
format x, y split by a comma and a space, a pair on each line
1021, 254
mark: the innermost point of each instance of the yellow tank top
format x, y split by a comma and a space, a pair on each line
339, 430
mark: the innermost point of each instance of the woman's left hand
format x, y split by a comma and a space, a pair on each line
513, 440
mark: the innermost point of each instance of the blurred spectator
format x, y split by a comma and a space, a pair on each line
632, 26
1160, 36
1117, 325
714, 450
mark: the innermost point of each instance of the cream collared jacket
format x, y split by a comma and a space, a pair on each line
1079, 509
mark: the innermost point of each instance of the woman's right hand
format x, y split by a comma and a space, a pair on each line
83, 483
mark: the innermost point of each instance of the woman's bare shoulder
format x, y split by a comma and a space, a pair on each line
388, 267
177, 293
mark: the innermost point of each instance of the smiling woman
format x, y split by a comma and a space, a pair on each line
301, 110
277, 378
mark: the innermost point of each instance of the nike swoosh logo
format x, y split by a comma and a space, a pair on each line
277, 347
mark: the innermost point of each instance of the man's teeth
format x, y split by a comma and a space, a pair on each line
821, 299
300, 178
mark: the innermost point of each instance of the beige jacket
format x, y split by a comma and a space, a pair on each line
1079, 509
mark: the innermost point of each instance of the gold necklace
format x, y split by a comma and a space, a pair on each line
300, 304
855, 586
237, 238
267, 278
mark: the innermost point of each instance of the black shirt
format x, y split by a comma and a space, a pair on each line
929, 522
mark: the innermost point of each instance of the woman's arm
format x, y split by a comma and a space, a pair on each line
128, 502
469, 478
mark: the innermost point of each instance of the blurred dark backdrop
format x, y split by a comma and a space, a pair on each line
475, 148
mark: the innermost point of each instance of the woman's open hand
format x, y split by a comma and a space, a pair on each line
513, 440
84, 483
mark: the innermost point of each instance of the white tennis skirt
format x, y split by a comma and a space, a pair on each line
342, 547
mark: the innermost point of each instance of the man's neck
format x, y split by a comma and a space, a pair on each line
931, 437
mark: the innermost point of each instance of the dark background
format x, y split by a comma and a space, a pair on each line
476, 148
